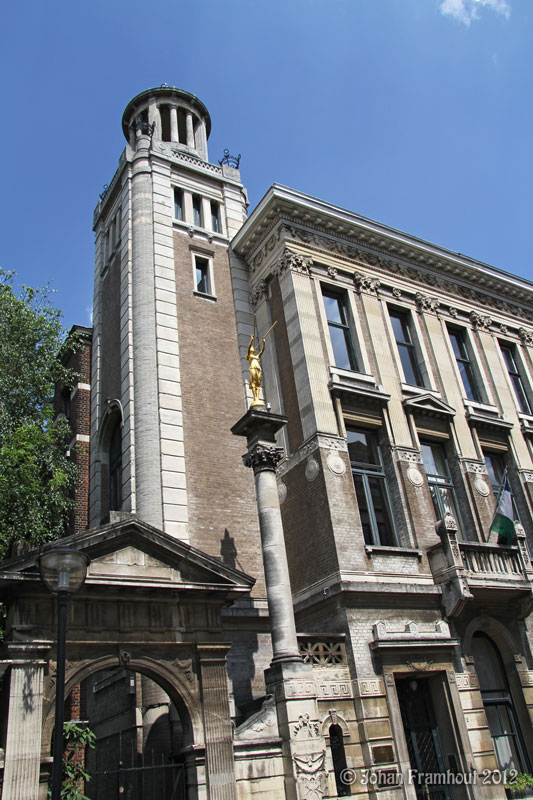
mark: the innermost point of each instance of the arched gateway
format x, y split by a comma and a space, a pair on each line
151, 605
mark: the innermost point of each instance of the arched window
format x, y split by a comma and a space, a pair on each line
339, 760
115, 469
498, 704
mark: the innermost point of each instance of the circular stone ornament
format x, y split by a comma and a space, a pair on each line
415, 476
282, 493
336, 464
481, 487
312, 469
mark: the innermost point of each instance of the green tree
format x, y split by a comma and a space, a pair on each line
36, 475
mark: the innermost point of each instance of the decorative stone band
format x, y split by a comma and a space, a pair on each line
475, 467
319, 441
426, 303
364, 283
262, 458
412, 456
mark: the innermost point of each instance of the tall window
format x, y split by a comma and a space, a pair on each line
370, 487
115, 469
339, 330
440, 482
402, 327
215, 217
197, 210
517, 381
499, 706
178, 204
202, 275
464, 363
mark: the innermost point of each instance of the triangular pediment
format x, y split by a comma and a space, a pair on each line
131, 554
428, 405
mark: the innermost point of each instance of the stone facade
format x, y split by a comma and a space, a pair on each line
337, 620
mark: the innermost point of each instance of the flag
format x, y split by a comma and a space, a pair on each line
502, 523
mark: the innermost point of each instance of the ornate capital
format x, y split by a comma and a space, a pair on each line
363, 283
294, 262
262, 458
526, 336
479, 321
258, 294
426, 303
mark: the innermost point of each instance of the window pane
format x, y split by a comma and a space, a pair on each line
401, 331
197, 210
362, 447
333, 309
410, 367
363, 508
202, 275
381, 509
178, 204
341, 347
215, 218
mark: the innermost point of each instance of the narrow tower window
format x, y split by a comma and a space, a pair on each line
164, 112
178, 204
203, 282
197, 210
215, 217
516, 378
115, 469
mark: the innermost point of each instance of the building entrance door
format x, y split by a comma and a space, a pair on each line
423, 741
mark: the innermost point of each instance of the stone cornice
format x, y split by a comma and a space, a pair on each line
321, 227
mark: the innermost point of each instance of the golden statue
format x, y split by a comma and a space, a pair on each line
256, 372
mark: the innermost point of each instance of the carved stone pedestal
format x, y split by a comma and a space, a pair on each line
304, 748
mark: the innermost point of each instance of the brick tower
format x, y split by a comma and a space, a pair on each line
167, 376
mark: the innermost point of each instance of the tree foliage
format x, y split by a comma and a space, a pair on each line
36, 475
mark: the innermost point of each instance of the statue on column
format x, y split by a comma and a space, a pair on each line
256, 372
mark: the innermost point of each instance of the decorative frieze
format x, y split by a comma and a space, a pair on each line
474, 467
408, 455
294, 689
293, 262
369, 687
526, 677
334, 690
466, 681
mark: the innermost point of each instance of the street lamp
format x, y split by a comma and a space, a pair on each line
63, 572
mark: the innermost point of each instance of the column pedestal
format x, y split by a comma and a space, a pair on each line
288, 679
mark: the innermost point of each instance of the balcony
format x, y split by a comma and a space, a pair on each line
480, 573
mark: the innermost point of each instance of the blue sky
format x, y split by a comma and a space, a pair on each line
416, 113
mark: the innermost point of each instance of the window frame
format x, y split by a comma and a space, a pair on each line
465, 362
178, 191
410, 346
345, 325
197, 211
366, 471
522, 395
216, 223
437, 481
207, 258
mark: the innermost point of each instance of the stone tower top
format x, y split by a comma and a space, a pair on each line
173, 115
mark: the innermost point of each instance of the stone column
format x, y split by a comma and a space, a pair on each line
146, 413
220, 771
190, 130
289, 679
174, 136
24, 722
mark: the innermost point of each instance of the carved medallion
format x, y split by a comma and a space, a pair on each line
415, 476
336, 464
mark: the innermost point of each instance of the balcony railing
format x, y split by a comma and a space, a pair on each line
494, 560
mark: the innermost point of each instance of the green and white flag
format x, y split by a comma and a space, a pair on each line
502, 523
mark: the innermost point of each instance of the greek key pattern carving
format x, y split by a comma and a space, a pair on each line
334, 689
426, 303
370, 687
466, 681
292, 689
263, 458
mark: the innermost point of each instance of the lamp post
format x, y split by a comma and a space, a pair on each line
63, 572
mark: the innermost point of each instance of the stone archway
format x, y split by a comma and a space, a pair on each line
150, 604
